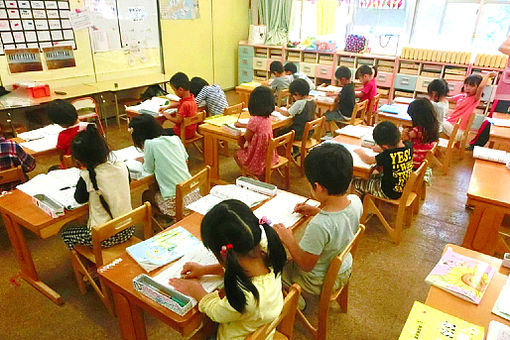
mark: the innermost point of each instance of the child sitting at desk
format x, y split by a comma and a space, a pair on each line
104, 184
292, 71
280, 80
396, 160
164, 156
328, 169
438, 92
64, 114
302, 110
344, 101
366, 75
212, 95
13, 155
187, 107
251, 267
259, 131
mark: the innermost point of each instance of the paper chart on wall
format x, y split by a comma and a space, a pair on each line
138, 23
104, 19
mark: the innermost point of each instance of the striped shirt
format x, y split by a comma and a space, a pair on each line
214, 98
12, 155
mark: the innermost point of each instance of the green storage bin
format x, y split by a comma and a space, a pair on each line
244, 75
405, 82
246, 51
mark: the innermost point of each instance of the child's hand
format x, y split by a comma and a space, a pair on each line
377, 148
360, 151
168, 116
283, 232
192, 270
306, 209
189, 287
163, 108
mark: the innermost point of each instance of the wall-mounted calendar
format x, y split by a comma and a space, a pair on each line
35, 24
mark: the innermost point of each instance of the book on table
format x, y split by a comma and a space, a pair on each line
398, 109
498, 331
502, 306
499, 122
427, 323
462, 276
150, 106
493, 155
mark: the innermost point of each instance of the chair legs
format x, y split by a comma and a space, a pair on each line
394, 232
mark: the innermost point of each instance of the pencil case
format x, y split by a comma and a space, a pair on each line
49, 206
164, 295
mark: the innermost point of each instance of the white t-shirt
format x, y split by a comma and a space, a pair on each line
441, 110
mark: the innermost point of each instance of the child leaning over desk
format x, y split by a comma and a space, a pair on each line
280, 80
344, 101
328, 169
212, 95
251, 257
366, 75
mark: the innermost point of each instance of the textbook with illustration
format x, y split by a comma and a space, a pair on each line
427, 323
220, 193
162, 248
493, 155
502, 305
462, 276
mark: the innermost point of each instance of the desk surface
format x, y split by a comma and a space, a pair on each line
358, 171
500, 132
477, 314
489, 183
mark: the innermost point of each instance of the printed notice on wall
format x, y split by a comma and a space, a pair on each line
59, 57
179, 9
23, 59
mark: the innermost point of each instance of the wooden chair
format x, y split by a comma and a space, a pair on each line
283, 142
284, 97
196, 119
11, 175
81, 255
443, 153
371, 110
314, 130
463, 141
285, 322
234, 109
90, 107
407, 204
429, 158
67, 160
201, 180
329, 294
357, 117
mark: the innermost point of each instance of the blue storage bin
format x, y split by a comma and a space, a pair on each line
244, 75
245, 62
246, 51
405, 82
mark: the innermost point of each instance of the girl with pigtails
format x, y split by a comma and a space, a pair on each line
103, 184
251, 258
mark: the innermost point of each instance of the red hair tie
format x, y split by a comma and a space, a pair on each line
226, 248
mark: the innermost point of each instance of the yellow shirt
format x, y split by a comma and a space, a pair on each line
235, 325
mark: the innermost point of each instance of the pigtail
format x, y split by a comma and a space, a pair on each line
92, 175
276, 252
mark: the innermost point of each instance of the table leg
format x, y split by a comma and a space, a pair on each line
25, 261
130, 318
482, 232
211, 155
117, 113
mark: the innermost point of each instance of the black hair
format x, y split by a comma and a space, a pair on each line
261, 102
196, 85
62, 113
91, 149
386, 133
330, 165
144, 127
180, 80
343, 72
233, 222
473, 80
439, 86
366, 69
299, 86
276, 66
424, 117
291, 67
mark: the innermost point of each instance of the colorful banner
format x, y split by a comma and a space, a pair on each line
59, 57
23, 60
382, 4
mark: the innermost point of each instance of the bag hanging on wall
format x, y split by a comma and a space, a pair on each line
257, 34
355, 43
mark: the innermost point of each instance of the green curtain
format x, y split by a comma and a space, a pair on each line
275, 14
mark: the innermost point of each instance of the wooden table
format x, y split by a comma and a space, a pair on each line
499, 136
33, 153
478, 314
488, 193
18, 210
130, 304
358, 171
244, 92
212, 134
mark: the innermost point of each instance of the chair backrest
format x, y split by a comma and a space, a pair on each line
67, 160
282, 94
100, 233
201, 180
466, 131
372, 108
313, 129
420, 175
359, 111
413, 181
15, 174
284, 141
234, 109
451, 141
196, 119
85, 103
430, 154
285, 321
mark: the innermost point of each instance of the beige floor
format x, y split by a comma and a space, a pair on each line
386, 279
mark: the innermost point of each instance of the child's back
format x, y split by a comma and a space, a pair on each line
425, 131
212, 95
13, 155
280, 81
303, 108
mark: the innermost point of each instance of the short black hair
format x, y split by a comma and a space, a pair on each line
276, 66
196, 85
439, 86
299, 86
62, 113
291, 67
261, 102
473, 79
343, 72
330, 165
144, 127
386, 133
180, 80
366, 69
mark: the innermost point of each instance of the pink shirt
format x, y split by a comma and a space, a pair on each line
464, 107
369, 90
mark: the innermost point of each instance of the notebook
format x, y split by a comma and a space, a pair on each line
357, 131
220, 120
502, 305
498, 331
496, 121
49, 130
462, 276
329, 88
427, 323
279, 116
356, 160
131, 152
493, 155
42, 144
150, 106
399, 109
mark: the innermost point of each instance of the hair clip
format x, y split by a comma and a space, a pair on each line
226, 248
130, 130
264, 220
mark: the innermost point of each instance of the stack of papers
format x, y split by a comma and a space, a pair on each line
49, 130
493, 155
499, 122
150, 106
502, 305
279, 116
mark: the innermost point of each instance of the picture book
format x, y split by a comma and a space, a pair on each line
461, 275
427, 323
502, 305
162, 248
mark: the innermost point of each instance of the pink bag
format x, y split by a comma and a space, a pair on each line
355, 43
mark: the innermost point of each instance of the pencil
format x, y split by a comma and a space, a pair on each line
239, 116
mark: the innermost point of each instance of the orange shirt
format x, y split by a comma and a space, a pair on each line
187, 108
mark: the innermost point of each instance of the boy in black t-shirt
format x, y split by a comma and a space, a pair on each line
396, 160
344, 101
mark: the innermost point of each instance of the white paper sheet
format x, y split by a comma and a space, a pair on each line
131, 152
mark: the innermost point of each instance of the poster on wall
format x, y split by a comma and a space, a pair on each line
179, 9
138, 23
23, 59
59, 57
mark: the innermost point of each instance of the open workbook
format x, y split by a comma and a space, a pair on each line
493, 155
130, 157
42, 139
356, 160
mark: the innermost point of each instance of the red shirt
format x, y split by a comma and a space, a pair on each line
187, 108
369, 90
66, 136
